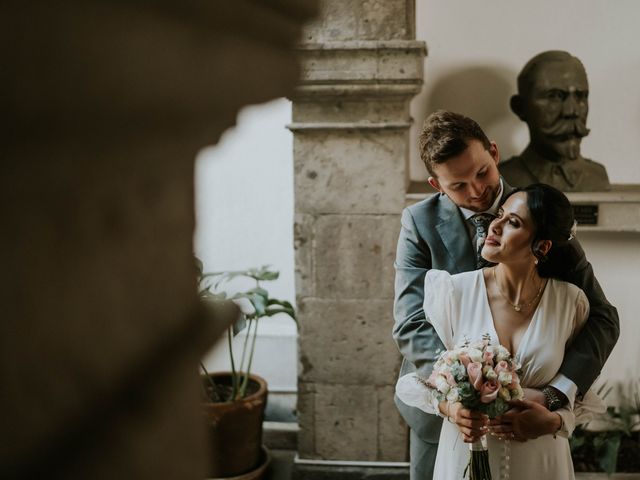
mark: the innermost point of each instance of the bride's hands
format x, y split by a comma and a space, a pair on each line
526, 420
472, 424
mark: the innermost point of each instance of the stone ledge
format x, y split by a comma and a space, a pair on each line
300, 126
618, 209
324, 470
361, 90
367, 45
347, 62
280, 435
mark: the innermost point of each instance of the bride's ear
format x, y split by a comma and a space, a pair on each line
542, 247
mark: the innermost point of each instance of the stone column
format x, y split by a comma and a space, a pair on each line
361, 67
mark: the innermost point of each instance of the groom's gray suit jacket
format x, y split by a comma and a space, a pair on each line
434, 235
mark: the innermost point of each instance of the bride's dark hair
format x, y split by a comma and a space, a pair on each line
553, 220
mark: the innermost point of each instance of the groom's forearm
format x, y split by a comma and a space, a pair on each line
589, 351
587, 354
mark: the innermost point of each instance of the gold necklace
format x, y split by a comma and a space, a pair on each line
516, 306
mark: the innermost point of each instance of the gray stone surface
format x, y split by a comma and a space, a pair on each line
363, 19
393, 431
354, 256
306, 417
350, 171
347, 341
303, 243
347, 427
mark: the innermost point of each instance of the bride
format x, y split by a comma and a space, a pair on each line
523, 307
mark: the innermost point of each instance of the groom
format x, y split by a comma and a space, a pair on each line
446, 232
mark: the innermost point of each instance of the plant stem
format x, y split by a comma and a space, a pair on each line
214, 397
234, 380
253, 347
244, 350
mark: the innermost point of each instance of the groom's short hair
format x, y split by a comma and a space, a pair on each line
447, 134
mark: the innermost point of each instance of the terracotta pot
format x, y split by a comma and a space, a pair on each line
235, 429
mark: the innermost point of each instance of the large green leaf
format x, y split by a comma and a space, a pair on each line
608, 457
258, 300
240, 324
263, 273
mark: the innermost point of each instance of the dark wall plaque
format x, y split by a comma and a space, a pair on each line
586, 214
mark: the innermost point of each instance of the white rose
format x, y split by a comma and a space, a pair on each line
505, 378
517, 393
503, 353
453, 355
442, 385
453, 395
504, 394
475, 355
489, 373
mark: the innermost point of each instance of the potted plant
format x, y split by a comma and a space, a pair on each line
610, 443
235, 401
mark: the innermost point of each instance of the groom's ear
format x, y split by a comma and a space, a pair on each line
433, 181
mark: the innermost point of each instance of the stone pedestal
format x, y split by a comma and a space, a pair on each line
361, 67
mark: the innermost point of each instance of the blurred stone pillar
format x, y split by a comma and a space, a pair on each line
104, 107
361, 68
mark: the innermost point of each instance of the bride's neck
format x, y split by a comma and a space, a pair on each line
518, 279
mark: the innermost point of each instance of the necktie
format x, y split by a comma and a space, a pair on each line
481, 222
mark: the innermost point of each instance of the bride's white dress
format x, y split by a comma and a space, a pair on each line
458, 308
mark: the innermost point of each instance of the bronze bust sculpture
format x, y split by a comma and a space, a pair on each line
553, 100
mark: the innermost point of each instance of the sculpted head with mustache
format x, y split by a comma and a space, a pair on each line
553, 99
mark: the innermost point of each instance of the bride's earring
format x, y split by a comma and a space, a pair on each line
535, 262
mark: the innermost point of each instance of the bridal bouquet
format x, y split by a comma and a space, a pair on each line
482, 377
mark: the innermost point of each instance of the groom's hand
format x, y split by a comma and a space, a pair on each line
526, 420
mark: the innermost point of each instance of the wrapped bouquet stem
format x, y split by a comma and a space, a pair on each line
478, 467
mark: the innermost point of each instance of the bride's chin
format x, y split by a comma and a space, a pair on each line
491, 258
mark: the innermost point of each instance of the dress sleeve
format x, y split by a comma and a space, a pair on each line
412, 391
438, 304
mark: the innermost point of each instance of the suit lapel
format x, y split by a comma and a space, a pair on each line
455, 237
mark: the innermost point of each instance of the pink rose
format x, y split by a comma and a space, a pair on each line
474, 370
450, 380
489, 391
502, 366
487, 357
432, 379
464, 359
